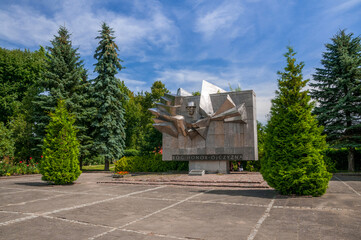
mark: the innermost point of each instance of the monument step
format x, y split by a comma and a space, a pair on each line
196, 172
189, 183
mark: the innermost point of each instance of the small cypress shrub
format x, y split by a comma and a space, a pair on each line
294, 144
61, 148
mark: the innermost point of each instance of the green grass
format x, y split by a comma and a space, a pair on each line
97, 167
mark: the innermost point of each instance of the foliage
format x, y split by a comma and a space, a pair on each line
236, 89
64, 78
60, 149
293, 161
131, 152
108, 123
6, 142
336, 159
18, 72
152, 138
8, 169
337, 89
149, 163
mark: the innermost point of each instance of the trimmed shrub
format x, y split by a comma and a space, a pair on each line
60, 150
149, 163
293, 161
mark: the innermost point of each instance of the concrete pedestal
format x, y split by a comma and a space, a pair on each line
210, 166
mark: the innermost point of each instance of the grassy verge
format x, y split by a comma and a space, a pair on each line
97, 167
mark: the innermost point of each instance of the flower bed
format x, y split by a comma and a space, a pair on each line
9, 169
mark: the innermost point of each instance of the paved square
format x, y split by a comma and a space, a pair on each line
32, 209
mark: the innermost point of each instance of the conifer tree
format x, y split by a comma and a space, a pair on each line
108, 123
337, 89
64, 78
60, 149
293, 162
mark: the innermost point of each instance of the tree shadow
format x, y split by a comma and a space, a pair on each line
40, 184
257, 193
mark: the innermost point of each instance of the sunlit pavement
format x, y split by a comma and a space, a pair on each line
88, 209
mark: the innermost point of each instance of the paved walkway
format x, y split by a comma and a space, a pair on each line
31, 209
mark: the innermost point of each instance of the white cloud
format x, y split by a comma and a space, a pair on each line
222, 18
30, 27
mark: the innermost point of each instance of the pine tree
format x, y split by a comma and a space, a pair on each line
61, 148
64, 78
293, 161
108, 123
337, 89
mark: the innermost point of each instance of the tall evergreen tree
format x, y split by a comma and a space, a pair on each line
337, 89
64, 78
293, 162
108, 123
61, 148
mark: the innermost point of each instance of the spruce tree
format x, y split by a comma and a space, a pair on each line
337, 89
293, 161
61, 148
108, 123
64, 78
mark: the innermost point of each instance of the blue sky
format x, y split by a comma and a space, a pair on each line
182, 43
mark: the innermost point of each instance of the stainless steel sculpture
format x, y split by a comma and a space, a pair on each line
208, 130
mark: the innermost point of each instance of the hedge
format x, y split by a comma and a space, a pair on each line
149, 163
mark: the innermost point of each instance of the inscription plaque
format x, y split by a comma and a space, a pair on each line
216, 157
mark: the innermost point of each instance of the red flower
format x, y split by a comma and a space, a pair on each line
31, 158
21, 162
41, 156
27, 165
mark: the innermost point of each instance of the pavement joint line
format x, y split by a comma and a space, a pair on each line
15, 212
75, 207
35, 200
326, 209
149, 215
76, 221
255, 229
154, 234
113, 228
18, 220
24, 190
348, 186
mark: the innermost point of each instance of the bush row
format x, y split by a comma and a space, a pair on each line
150, 163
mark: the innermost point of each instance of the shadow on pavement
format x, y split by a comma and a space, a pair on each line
264, 193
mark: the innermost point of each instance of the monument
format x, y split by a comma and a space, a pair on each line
209, 130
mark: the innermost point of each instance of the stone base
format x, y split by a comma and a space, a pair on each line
210, 166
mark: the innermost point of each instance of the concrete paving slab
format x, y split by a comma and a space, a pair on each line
171, 193
310, 224
136, 235
7, 216
44, 229
53, 202
202, 221
87, 210
115, 213
237, 196
22, 197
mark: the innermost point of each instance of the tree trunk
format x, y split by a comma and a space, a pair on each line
106, 165
351, 159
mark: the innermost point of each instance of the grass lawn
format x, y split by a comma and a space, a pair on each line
97, 167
